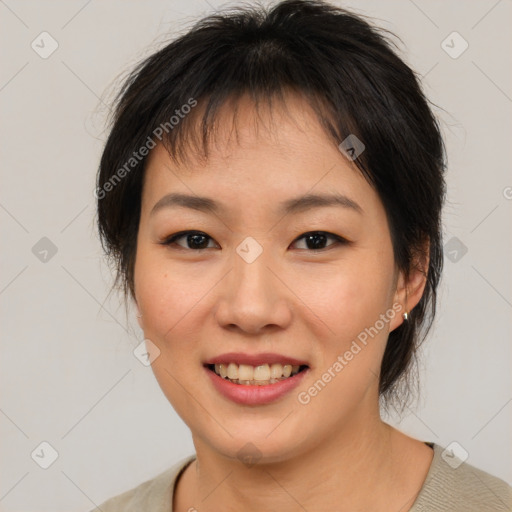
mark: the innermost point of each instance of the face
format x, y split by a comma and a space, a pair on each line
258, 275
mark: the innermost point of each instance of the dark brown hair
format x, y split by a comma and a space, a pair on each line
357, 84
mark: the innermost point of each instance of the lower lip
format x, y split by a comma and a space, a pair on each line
255, 395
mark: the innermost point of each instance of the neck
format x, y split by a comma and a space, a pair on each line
334, 475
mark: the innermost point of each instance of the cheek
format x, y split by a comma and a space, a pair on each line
166, 294
350, 354
352, 296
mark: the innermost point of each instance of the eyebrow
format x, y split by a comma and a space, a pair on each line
294, 205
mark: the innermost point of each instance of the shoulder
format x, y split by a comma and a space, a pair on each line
154, 495
458, 486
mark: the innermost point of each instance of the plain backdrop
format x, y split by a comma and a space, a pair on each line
68, 374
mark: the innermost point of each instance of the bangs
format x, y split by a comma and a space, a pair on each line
215, 117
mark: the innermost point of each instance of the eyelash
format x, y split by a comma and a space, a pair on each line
170, 240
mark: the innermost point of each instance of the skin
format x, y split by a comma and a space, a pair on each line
199, 303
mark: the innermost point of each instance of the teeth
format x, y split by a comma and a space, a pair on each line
232, 371
276, 370
222, 370
245, 372
262, 372
256, 375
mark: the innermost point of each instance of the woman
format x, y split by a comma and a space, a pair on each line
271, 192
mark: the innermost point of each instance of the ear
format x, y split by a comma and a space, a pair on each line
410, 286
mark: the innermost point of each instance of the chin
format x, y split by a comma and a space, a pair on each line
255, 441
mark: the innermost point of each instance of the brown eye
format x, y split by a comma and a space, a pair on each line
195, 240
316, 240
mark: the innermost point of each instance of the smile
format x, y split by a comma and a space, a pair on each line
260, 375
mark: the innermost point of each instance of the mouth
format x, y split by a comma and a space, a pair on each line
256, 375
255, 379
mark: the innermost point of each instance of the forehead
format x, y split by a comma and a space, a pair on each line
240, 123
259, 153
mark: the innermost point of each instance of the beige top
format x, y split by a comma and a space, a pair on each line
449, 486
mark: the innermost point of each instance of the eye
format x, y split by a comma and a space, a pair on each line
198, 240
193, 240
315, 240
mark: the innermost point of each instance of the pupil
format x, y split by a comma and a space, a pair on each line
317, 243
195, 241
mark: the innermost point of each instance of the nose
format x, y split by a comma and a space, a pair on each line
253, 299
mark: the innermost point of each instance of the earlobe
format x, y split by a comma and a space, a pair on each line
400, 302
410, 287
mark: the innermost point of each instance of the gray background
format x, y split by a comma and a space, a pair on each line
68, 374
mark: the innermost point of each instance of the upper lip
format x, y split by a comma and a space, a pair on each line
254, 359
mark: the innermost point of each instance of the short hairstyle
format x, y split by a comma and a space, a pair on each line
347, 70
